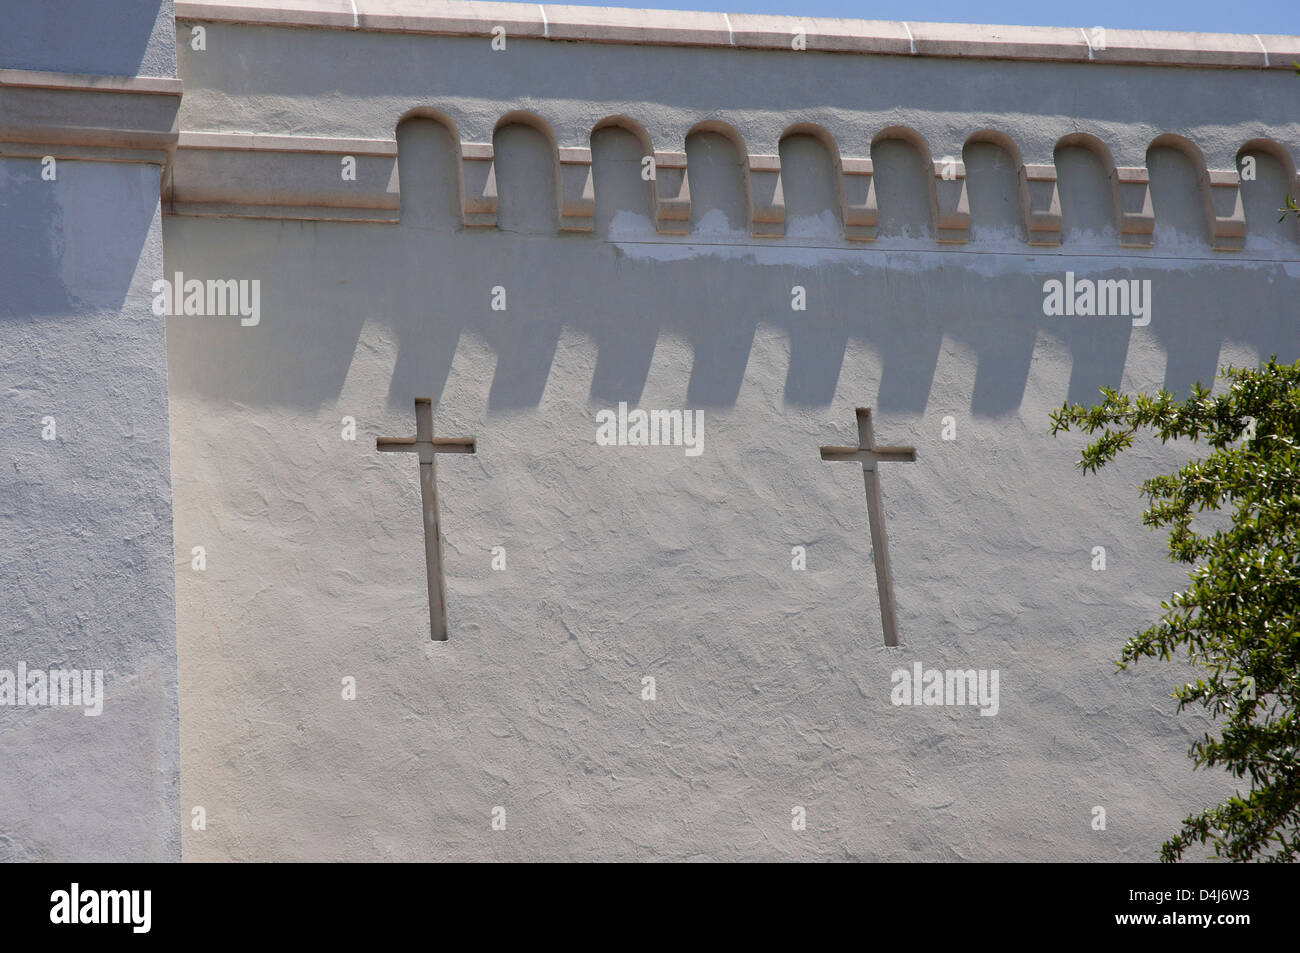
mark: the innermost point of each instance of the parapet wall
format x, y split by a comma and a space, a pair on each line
256, 141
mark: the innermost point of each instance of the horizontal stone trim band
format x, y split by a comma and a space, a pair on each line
265, 143
294, 177
327, 179
104, 118
288, 213
81, 82
677, 28
81, 151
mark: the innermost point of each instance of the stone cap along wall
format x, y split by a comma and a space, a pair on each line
96, 118
257, 142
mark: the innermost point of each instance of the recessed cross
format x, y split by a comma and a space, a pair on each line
869, 454
427, 445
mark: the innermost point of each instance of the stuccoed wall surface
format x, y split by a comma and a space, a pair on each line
773, 687
261, 79
85, 529
108, 37
86, 538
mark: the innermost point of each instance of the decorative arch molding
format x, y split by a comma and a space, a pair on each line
760, 180
1130, 189
1040, 204
995, 137
571, 167
1094, 144
435, 115
720, 128
1271, 147
904, 134
525, 117
670, 188
816, 131
946, 185
855, 188
430, 114
295, 177
1220, 193
628, 125
1286, 165
1169, 140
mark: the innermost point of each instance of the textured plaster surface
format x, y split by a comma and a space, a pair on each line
112, 37
85, 532
773, 688
373, 79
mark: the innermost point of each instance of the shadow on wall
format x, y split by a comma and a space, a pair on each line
72, 36
74, 243
1088, 228
430, 279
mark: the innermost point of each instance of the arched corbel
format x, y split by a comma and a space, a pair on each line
1226, 212
1134, 213
1220, 194
860, 211
1040, 203
577, 190
952, 203
854, 188
672, 194
478, 173
767, 198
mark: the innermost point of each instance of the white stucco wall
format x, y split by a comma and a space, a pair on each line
520, 169
86, 525
773, 687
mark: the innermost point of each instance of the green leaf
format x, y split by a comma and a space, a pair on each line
1238, 620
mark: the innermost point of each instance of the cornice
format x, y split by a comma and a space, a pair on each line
746, 31
298, 177
75, 116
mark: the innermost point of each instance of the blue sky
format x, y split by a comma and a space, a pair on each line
1210, 16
